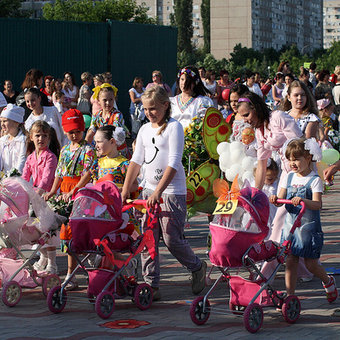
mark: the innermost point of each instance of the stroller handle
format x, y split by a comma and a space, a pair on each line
297, 222
134, 203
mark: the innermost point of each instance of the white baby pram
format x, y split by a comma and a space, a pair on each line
18, 229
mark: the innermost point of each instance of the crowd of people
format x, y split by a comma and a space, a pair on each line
294, 117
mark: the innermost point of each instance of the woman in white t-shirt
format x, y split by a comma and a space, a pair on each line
192, 99
136, 108
300, 105
49, 114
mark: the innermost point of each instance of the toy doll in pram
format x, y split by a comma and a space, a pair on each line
99, 226
18, 231
238, 234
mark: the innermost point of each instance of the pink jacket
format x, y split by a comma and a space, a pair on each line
41, 170
281, 127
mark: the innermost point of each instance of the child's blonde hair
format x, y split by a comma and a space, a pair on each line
108, 88
86, 76
41, 125
159, 94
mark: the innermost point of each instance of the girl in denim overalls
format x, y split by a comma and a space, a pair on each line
303, 184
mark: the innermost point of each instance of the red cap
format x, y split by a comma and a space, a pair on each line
73, 120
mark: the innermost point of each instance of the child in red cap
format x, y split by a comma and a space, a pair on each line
73, 169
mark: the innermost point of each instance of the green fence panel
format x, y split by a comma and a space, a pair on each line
126, 49
51, 46
137, 50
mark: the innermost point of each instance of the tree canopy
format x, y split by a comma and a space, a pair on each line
11, 9
97, 11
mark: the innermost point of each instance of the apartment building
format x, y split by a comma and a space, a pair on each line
162, 9
331, 22
35, 6
261, 24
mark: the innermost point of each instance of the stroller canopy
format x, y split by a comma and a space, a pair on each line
13, 194
101, 201
233, 234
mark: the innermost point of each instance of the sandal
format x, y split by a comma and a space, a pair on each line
331, 290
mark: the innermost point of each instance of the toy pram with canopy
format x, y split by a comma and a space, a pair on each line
99, 226
17, 231
238, 243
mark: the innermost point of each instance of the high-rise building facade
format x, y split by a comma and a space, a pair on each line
162, 9
331, 22
261, 24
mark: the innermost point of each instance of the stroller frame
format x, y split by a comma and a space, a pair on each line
11, 291
253, 313
118, 285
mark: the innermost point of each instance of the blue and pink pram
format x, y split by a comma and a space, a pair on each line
238, 243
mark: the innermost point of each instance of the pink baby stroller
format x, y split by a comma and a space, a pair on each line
17, 229
238, 243
100, 227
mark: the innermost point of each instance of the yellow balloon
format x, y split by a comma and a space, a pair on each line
321, 166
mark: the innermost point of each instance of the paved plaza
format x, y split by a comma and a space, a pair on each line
169, 318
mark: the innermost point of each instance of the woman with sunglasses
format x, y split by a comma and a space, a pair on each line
192, 97
157, 80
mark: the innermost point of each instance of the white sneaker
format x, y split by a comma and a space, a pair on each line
40, 265
51, 269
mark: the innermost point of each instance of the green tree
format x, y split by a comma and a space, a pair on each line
240, 54
97, 11
11, 9
330, 58
205, 14
183, 21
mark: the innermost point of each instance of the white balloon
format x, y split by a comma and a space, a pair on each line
237, 146
225, 161
237, 152
228, 175
248, 175
234, 170
248, 163
236, 156
223, 147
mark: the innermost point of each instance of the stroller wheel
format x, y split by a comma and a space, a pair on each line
143, 296
291, 309
253, 318
55, 301
105, 304
198, 312
49, 282
11, 293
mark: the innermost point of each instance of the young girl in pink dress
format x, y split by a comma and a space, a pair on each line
43, 149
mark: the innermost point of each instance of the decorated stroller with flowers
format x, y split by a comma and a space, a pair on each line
17, 230
238, 231
100, 227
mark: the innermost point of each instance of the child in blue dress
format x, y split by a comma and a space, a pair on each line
303, 184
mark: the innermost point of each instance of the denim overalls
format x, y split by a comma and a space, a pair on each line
307, 240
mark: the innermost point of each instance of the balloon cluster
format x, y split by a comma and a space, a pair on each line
233, 160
